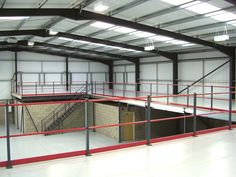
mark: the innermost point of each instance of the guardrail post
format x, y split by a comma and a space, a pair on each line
36, 89
194, 114
168, 92
113, 93
95, 85
211, 97
120, 128
22, 92
148, 120
230, 108
8, 165
123, 89
92, 87
103, 88
86, 83
87, 128
188, 96
150, 89
53, 88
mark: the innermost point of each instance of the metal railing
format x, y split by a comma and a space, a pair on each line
61, 110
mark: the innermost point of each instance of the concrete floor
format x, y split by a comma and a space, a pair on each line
31, 146
204, 156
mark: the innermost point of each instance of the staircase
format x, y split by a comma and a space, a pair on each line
55, 119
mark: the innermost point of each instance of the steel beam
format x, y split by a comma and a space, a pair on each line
168, 55
110, 68
63, 54
137, 75
158, 31
67, 74
232, 73
175, 75
16, 70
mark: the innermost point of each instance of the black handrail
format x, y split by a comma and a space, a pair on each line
204, 76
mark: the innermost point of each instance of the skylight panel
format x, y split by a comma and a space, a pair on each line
187, 45
225, 16
177, 42
65, 39
102, 25
203, 8
160, 38
142, 34
83, 42
124, 30
232, 23
176, 2
14, 18
100, 7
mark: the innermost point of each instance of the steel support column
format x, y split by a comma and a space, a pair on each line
67, 74
16, 70
232, 72
8, 165
175, 75
110, 67
137, 75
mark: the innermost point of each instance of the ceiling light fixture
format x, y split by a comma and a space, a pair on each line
223, 37
52, 32
30, 43
149, 45
11, 40
220, 38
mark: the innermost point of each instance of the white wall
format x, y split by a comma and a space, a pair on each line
42, 68
191, 68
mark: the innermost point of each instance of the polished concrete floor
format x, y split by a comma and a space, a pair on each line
207, 155
31, 146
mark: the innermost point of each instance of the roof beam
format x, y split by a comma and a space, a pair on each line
20, 47
64, 54
102, 54
75, 14
112, 43
158, 31
45, 33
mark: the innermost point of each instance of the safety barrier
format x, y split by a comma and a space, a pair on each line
87, 146
119, 88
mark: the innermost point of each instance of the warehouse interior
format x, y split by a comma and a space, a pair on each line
117, 88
